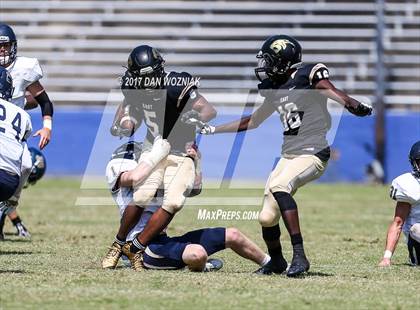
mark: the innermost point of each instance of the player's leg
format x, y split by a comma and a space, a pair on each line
283, 184
413, 244
244, 247
195, 257
178, 181
14, 200
269, 220
8, 185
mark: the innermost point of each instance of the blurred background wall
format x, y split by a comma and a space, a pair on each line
82, 46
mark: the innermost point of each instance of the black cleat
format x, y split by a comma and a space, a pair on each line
269, 269
299, 265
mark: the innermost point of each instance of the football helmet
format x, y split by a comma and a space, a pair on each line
39, 165
8, 44
414, 158
276, 56
6, 84
130, 150
146, 62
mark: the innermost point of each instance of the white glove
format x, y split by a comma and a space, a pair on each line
207, 129
159, 151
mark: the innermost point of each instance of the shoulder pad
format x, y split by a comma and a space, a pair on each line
30, 68
405, 188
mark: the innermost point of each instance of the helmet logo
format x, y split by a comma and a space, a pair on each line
4, 38
280, 45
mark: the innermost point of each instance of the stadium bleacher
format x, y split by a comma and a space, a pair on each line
82, 45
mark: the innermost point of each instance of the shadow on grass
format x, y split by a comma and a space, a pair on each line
12, 271
16, 240
16, 252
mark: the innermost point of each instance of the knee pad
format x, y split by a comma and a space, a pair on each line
285, 201
173, 205
268, 219
415, 232
143, 196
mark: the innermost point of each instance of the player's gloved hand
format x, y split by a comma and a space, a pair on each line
191, 118
361, 110
207, 129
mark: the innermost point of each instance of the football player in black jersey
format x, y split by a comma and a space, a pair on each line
158, 98
298, 92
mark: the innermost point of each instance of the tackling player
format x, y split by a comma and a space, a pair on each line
26, 73
158, 98
286, 84
15, 128
163, 252
405, 189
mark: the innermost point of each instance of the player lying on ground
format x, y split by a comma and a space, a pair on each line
405, 190
159, 98
15, 128
163, 252
299, 92
26, 74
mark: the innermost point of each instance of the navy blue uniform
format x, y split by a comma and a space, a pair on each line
9, 183
166, 252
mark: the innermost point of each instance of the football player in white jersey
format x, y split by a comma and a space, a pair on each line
163, 252
15, 127
405, 189
26, 73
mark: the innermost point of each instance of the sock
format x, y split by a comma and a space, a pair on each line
265, 261
297, 243
136, 246
276, 255
119, 241
16, 221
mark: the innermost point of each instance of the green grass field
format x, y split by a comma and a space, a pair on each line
344, 230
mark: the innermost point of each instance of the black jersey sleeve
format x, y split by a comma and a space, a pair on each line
181, 88
317, 73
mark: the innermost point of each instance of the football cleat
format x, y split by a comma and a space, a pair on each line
111, 259
136, 259
269, 269
299, 265
213, 264
22, 231
3, 207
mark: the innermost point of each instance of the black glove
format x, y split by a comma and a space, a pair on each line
361, 110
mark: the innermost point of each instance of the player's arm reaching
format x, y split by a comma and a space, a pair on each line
352, 105
40, 95
245, 123
402, 210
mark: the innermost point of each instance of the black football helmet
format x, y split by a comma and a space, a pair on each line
414, 158
6, 84
276, 56
130, 150
39, 166
146, 62
8, 42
